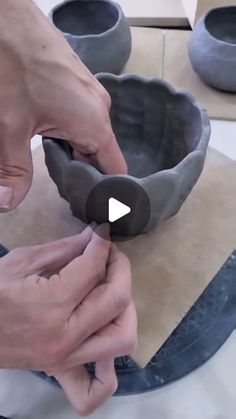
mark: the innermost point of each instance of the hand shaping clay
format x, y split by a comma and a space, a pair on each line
163, 134
212, 49
97, 31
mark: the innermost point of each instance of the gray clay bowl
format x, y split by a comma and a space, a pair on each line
163, 134
212, 48
98, 32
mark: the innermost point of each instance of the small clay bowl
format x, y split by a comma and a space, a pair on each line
212, 48
98, 32
163, 133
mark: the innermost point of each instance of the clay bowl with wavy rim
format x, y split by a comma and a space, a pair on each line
163, 133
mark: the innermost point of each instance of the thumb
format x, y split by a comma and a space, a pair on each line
16, 171
49, 257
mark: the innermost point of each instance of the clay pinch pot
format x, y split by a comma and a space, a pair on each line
98, 32
212, 48
163, 134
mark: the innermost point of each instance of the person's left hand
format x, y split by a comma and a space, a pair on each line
84, 392
83, 313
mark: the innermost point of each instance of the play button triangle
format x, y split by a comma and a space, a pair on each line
117, 210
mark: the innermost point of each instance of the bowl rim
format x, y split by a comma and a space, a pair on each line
205, 16
89, 36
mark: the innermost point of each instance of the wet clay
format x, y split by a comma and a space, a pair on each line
163, 134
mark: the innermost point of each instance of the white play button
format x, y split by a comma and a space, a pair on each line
117, 210
121, 201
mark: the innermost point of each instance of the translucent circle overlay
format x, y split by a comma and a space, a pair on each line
129, 193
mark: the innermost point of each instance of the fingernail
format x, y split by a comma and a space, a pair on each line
6, 195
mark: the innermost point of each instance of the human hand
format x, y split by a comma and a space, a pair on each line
119, 337
45, 89
82, 314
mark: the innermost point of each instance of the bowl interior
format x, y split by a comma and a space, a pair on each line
85, 17
155, 128
221, 24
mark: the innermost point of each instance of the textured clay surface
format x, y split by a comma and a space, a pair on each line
155, 130
163, 134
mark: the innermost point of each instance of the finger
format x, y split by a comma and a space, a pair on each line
109, 158
80, 157
118, 263
16, 169
86, 394
49, 257
105, 302
119, 338
86, 271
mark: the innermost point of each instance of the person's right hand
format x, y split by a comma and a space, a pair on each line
45, 89
82, 314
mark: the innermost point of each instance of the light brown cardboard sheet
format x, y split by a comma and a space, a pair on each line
171, 266
147, 52
154, 12
178, 71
